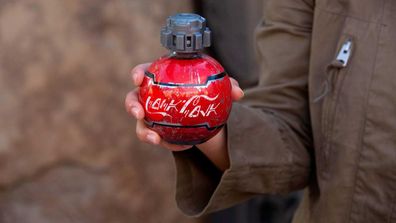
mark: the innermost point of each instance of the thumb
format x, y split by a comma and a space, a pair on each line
236, 91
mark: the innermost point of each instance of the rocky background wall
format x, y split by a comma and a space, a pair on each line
68, 151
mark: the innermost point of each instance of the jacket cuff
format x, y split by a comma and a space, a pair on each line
201, 188
259, 163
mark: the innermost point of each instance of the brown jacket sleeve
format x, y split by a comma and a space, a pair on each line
269, 138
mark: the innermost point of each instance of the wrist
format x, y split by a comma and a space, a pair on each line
216, 149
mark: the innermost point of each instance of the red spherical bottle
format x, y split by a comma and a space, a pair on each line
186, 95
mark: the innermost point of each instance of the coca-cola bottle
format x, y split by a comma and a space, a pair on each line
186, 94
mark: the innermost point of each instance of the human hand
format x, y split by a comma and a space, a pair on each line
133, 107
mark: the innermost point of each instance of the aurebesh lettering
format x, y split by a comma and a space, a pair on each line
191, 108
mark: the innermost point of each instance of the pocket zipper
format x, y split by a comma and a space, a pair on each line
333, 84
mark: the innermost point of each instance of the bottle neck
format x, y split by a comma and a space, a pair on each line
184, 55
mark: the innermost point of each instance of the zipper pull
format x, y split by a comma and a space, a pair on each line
344, 54
341, 61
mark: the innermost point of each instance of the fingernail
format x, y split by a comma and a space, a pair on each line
151, 138
243, 93
135, 111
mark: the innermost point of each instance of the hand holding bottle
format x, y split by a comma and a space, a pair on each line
215, 148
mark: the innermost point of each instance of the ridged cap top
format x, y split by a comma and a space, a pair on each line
186, 32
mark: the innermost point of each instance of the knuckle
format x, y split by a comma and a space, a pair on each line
140, 133
141, 137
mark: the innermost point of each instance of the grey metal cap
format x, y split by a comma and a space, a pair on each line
185, 32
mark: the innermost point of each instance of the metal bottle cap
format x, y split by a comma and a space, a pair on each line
185, 32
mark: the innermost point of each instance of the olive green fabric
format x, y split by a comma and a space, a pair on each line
311, 122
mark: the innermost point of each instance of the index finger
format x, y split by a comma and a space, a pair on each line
137, 73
